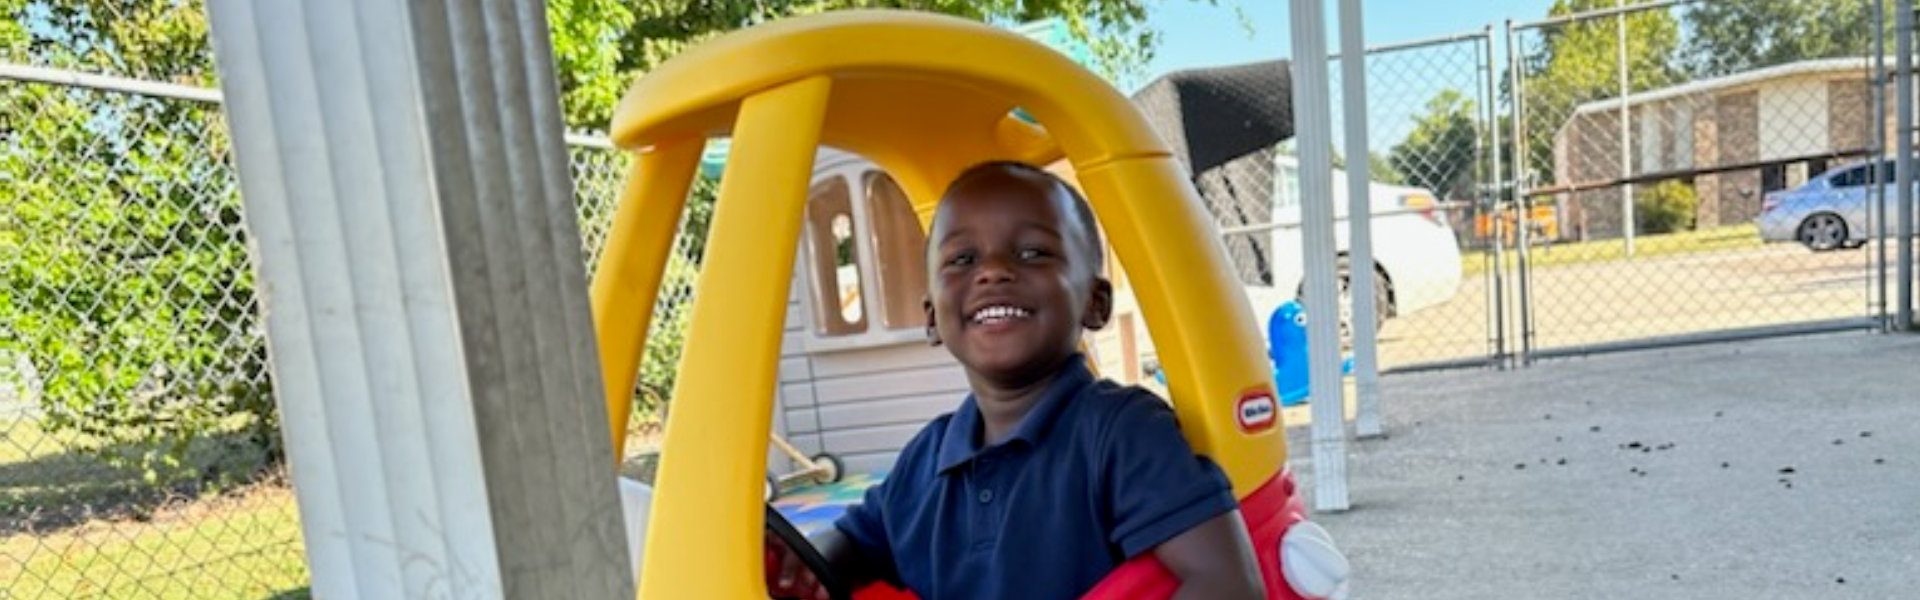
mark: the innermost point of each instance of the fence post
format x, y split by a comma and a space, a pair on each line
1903, 171
1878, 209
1360, 274
1521, 203
1626, 128
1313, 134
406, 186
1492, 187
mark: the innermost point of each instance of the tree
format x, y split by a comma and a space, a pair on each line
1730, 37
1439, 153
1577, 63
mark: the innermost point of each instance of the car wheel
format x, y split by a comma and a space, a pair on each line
1823, 231
1382, 302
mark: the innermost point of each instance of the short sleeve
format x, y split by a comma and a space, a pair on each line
1155, 484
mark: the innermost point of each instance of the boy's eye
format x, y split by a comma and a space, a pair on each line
960, 259
1034, 253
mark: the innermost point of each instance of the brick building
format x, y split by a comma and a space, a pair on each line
1788, 121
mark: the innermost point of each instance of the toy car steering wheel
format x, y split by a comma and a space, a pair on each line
797, 543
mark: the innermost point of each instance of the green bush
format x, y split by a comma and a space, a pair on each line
127, 285
1666, 207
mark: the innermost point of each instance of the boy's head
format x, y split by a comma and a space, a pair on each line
1014, 261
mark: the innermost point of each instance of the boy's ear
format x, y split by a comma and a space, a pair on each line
933, 328
1099, 305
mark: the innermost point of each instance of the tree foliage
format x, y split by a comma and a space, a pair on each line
602, 44
1729, 37
1578, 62
126, 280
1439, 152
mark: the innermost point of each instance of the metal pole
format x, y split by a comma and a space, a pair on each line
1626, 130
1360, 275
1520, 202
1903, 178
1878, 94
1313, 129
1492, 184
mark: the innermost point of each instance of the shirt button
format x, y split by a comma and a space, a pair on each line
986, 496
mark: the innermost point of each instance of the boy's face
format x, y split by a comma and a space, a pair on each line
1012, 285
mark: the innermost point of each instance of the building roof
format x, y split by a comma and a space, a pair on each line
1743, 78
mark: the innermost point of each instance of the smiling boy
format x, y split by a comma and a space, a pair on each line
1044, 479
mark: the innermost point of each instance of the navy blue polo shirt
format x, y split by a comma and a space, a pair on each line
1094, 474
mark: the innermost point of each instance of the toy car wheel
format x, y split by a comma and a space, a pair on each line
773, 490
834, 469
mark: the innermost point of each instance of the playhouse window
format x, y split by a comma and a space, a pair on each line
838, 308
866, 266
900, 246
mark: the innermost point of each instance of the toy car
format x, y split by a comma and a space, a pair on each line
924, 97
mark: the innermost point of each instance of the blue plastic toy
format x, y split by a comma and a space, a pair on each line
1287, 347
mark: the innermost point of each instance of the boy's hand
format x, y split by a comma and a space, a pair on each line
787, 577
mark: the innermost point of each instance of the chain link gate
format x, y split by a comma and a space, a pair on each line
1686, 220
1429, 107
1430, 128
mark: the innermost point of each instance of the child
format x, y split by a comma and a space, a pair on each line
1044, 479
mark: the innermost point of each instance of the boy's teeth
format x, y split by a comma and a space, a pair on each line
998, 312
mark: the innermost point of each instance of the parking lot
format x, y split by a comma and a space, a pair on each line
1579, 303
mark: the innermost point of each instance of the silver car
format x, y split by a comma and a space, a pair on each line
1829, 211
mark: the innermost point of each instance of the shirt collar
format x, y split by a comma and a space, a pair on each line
958, 445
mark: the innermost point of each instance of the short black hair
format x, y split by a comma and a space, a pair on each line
1081, 210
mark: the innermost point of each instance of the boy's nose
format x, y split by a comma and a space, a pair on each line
993, 269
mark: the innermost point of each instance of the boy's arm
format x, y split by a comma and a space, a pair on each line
1213, 561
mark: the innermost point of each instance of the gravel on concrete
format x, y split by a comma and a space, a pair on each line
1783, 468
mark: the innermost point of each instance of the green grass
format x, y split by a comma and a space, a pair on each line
246, 547
1546, 256
73, 526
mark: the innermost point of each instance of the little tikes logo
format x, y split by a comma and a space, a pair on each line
1257, 410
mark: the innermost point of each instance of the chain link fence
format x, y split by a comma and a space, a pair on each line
139, 452
1428, 112
1661, 156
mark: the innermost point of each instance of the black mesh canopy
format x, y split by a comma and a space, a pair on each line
1223, 124
1215, 115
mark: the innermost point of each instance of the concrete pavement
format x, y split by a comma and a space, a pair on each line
1784, 468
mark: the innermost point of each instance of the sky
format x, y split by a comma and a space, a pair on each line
1194, 34
1399, 85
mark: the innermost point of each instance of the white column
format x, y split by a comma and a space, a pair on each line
1313, 135
407, 197
1360, 275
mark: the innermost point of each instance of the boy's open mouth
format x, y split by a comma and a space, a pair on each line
998, 313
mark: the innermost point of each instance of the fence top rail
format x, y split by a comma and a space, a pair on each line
1483, 34
174, 91
1597, 14
112, 83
